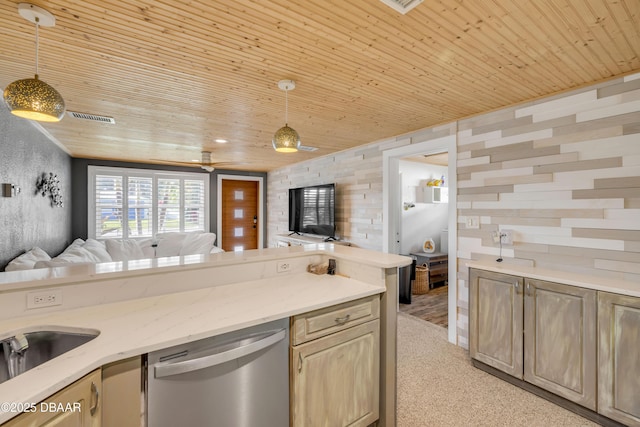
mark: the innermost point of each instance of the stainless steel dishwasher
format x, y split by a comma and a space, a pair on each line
238, 379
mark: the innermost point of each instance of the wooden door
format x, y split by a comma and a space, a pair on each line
496, 320
77, 405
239, 215
335, 379
619, 357
560, 340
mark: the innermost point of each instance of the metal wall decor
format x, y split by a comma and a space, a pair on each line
50, 186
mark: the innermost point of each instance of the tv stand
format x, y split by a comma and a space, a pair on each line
294, 233
300, 239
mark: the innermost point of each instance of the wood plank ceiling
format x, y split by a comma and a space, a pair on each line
176, 75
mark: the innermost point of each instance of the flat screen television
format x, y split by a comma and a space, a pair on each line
312, 210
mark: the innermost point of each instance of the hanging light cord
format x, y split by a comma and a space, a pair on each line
286, 106
37, 44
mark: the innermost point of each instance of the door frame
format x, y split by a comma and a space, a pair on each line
261, 215
392, 207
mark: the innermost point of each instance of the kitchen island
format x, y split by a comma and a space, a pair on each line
174, 301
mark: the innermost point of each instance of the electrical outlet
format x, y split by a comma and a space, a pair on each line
502, 236
507, 237
42, 299
283, 266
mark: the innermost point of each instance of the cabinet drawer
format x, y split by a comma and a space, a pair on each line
316, 324
436, 264
438, 269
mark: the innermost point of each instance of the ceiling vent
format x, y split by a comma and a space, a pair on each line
92, 117
402, 6
307, 148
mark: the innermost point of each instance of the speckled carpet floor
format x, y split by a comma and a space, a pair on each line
438, 386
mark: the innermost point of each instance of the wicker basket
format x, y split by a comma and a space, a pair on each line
421, 284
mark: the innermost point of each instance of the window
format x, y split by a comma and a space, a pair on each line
130, 203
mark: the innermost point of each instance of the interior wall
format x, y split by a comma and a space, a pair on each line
358, 176
422, 220
562, 172
28, 219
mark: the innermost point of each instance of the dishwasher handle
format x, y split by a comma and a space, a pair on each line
166, 369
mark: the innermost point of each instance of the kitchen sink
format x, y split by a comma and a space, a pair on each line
27, 349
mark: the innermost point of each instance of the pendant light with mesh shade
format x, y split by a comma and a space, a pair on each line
286, 139
32, 98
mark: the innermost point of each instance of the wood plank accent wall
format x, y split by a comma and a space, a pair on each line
563, 173
358, 176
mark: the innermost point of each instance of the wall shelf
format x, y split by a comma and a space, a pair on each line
432, 194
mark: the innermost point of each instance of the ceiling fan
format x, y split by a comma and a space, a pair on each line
205, 163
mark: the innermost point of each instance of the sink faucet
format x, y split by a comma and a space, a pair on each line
15, 360
19, 343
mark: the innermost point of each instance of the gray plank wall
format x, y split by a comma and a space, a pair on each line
562, 172
28, 219
358, 177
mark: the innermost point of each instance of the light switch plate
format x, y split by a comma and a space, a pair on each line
473, 222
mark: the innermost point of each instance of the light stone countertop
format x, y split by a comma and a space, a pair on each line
133, 327
81, 272
605, 284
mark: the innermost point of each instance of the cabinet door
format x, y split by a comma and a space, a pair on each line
335, 379
560, 340
495, 320
619, 358
75, 406
121, 393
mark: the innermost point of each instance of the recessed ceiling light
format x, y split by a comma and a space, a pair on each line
221, 141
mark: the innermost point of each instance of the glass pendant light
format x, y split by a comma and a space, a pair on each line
286, 139
32, 98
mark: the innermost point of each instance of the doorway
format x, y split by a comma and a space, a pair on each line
393, 208
424, 236
239, 212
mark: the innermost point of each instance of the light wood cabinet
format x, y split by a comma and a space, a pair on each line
121, 393
335, 368
496, 320
619, 358
540, 332
77, 405
560, 340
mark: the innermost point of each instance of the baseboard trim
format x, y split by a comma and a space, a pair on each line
553, 398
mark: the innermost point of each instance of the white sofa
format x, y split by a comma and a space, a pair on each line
94, 251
